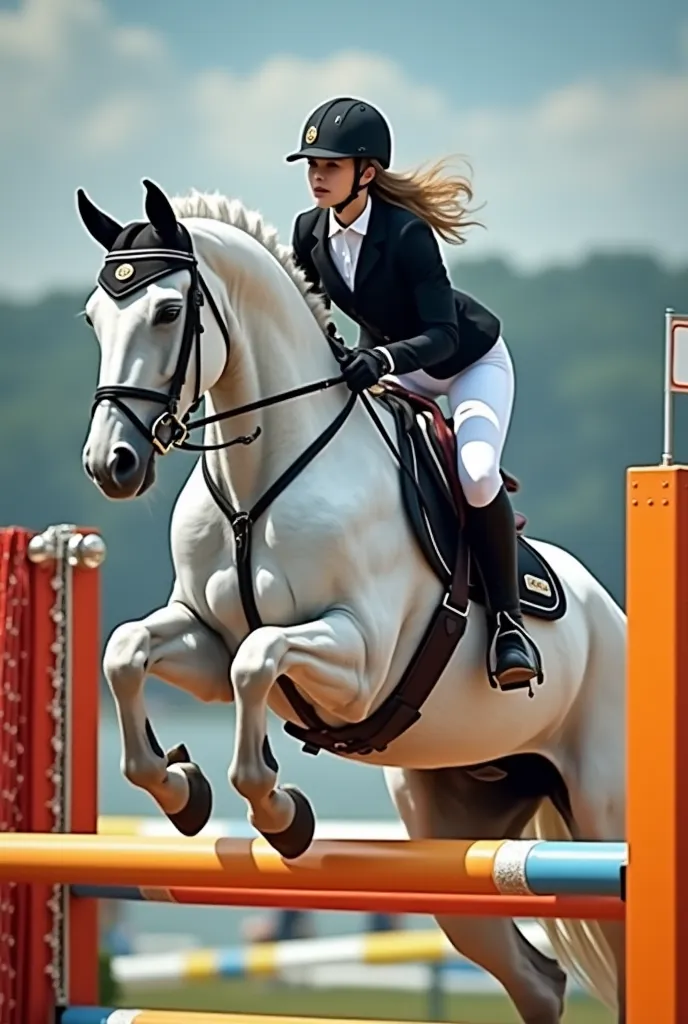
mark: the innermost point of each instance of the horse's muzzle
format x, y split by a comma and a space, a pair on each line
122, 473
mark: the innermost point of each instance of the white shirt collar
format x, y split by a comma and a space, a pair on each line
360, 225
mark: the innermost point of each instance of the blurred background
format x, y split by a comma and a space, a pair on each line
574, 120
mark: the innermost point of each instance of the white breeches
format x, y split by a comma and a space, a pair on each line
480, 400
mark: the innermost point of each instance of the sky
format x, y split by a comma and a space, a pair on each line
573, 117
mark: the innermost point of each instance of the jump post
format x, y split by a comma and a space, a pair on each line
657, 717
49, 673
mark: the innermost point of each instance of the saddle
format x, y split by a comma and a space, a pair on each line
435, 505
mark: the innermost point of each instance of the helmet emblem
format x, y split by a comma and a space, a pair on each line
124, 271
311, 134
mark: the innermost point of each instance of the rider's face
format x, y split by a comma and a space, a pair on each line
331, 181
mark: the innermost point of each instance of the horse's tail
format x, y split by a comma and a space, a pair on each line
580, 946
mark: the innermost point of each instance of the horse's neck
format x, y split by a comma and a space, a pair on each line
280, 352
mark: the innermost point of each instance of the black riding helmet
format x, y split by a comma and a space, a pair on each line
346, 127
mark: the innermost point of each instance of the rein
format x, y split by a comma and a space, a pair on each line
261, 403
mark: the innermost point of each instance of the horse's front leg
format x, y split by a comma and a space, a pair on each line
174, 645
327, 659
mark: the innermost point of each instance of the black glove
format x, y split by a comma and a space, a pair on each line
364, 370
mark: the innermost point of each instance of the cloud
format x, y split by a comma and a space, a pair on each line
93, 103
63, 64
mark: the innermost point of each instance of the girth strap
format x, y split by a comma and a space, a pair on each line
401, 709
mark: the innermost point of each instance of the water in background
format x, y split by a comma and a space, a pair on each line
337, 789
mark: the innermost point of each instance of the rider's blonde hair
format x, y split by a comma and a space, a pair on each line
439, 199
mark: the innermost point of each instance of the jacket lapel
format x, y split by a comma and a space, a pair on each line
333, 282
372, 243
371, 249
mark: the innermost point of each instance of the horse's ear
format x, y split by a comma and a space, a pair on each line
98, 224
159, 211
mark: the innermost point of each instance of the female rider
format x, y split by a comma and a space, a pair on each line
368, 244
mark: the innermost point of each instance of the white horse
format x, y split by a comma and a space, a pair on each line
200, 300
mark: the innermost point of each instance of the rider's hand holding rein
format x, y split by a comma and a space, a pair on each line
365, 369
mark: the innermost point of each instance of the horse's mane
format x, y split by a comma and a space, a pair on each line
215, 206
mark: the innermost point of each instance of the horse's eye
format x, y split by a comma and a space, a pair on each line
87, 320
167, 315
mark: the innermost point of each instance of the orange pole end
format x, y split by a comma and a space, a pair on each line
657, 722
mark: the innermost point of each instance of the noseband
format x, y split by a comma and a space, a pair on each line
126, 271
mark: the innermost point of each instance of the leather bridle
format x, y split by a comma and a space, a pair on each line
170, 430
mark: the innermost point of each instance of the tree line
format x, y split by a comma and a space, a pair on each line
587, 343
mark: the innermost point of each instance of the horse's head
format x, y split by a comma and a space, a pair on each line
146, 314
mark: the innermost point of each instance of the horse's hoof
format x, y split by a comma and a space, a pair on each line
297, 837
195, 815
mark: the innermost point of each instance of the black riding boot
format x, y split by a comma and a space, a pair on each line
513, 659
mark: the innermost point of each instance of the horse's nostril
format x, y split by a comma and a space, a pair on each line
123, 463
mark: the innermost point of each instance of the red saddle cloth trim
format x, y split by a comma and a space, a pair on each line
444, 432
